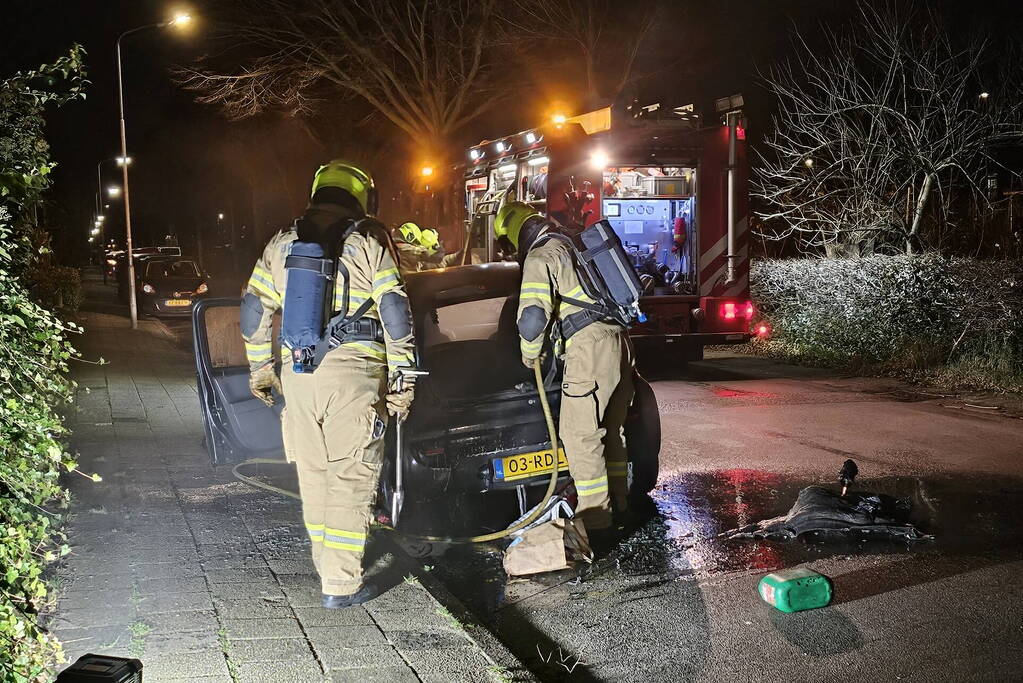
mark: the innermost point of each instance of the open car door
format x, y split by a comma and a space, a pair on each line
238, 426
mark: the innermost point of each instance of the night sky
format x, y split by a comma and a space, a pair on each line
191, 164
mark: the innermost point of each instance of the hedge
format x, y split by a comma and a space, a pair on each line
918, 313
34, 355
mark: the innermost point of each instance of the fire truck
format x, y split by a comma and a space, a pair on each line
672, 186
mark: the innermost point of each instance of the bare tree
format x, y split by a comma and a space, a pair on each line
605, 35
870, 128
423, 65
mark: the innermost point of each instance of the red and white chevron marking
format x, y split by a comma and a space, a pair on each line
714, 266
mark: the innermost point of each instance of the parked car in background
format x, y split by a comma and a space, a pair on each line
164, 285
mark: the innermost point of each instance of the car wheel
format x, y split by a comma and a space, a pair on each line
643, 438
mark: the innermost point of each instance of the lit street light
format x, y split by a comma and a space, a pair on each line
426, 171
180, 19
94, 231
113, 191
984, 95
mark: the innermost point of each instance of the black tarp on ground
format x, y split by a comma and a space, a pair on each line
818, 509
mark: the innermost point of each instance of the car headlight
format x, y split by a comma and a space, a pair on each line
202, 289
148, 288
111, 262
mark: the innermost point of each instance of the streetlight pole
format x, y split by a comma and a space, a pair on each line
132, 304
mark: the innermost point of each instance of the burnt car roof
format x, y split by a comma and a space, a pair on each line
431, 288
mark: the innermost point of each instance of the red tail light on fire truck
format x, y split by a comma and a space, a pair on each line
731, 310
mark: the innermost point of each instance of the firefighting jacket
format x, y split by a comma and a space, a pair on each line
548, 275
373, 275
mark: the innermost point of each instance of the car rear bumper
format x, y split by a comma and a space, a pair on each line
431, 475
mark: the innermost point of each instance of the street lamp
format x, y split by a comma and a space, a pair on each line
113, 191
180, 19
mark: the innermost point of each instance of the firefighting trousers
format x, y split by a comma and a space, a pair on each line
333, 426
596, 393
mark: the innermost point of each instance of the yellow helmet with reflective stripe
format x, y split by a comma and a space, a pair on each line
410, 232
351, 179
510, 219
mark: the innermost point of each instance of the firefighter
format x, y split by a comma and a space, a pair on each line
438, 258
597, 387
412, 255
335, 417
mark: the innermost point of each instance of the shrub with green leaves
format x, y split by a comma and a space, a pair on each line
34, 355
897, 312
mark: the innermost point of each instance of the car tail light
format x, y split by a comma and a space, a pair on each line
728, 310
749, 310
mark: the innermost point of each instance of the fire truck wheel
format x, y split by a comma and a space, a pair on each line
643, 438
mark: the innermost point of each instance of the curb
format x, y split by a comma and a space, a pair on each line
488, 643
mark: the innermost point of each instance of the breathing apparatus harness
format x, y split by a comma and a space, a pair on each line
605, 273
313, 267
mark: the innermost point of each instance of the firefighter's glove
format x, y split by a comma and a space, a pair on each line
528, 362
400, 401
262, 381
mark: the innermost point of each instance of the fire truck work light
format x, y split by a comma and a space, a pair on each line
474, 154
559, 119
530, 138
507, 168
500, 146
538, 161
599, 160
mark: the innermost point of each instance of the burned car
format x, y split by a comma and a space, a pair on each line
476, 434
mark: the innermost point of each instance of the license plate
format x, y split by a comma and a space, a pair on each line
178, 302
526, 465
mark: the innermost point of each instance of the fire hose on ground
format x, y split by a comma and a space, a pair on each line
399, 488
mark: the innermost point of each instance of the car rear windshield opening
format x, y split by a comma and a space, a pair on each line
472, 348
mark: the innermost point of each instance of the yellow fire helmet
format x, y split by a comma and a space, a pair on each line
351, 179
510, 218
430, 239
410, 232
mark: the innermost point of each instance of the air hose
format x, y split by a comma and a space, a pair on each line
483, 538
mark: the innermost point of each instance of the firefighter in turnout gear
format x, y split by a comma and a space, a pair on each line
336, 416
412, 255
597, 388
420, 249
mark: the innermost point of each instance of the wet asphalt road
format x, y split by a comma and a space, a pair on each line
741, 436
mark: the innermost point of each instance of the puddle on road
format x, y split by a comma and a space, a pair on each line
968, 515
